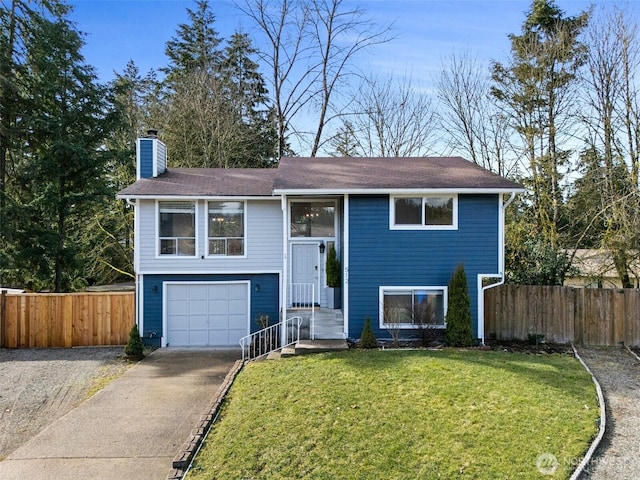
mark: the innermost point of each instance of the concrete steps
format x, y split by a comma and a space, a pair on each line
305, 347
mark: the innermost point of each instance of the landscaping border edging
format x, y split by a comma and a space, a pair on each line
182, 461
603, 420
632, 353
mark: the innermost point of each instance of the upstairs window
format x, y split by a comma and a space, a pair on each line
177, 228
313, 219
437, 212
226, 228
411, 307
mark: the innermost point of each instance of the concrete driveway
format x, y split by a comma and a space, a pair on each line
133, 428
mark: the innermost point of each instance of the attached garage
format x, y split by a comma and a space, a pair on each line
206, 314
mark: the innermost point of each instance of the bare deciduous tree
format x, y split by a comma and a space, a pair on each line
611, 94
475, 126
311, 46
391, 119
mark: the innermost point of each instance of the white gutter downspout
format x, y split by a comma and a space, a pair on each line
285, 268
138, 278
501, 262
345, 267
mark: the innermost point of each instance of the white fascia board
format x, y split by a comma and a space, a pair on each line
398, 191
196, 197
209, 272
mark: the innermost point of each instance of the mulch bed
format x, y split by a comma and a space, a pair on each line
526, 347
512, 346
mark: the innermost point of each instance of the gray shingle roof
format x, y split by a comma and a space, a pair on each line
386, 174
324, 174
203, 182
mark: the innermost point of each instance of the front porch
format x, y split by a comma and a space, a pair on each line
319, 323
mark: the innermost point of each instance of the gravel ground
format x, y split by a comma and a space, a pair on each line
618, 372
41, 385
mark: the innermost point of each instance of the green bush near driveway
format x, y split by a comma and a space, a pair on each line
410, 414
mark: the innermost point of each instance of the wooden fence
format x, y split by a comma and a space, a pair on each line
39, 320
583, 316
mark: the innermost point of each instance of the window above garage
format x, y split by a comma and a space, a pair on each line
177, 228
226, 229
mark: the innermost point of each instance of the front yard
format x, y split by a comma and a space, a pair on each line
410, 414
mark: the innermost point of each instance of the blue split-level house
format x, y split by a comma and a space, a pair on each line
215, 249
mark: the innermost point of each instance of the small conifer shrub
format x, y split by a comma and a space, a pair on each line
367, 338
333, 268
134, 347
459, 328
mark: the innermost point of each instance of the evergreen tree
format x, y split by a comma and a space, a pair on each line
536, 89
17, 32
367, 338
110, 231
59, 175
459, 328
195, 46
134, 347
216, 111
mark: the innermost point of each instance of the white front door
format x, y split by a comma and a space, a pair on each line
305, 270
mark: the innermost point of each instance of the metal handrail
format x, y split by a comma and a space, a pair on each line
262, 342
303, 296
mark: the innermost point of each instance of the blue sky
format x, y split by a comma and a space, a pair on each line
426, 30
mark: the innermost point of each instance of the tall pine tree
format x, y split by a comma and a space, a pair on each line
59, 176
216, 108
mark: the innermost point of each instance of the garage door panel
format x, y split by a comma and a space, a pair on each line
198, 307
236, 335
177, 292
238, 306
198, 322
178, 337
219, 306
238, 321
217, 291
177, 307
237, 292
198, 338
218, 321
207, 314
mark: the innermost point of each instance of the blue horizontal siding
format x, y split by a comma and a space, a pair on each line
265, 301
379, 256
146, 158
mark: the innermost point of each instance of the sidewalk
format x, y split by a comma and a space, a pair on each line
132, 428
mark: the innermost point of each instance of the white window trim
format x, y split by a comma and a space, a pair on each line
410, 326
392, 212
311, 200
206, 228
157, 239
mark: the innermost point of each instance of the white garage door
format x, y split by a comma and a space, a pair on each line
207, 314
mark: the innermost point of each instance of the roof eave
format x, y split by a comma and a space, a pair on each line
393, 191
194, 197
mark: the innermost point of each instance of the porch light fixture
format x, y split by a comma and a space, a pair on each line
321, 247
154, 289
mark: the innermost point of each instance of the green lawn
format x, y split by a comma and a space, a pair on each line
403, 414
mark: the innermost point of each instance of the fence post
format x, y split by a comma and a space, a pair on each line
3, 313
